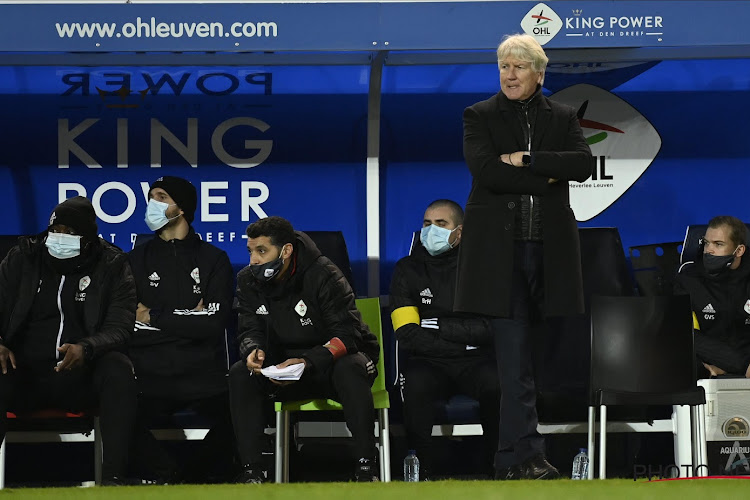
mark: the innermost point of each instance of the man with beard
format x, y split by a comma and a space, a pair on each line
296, 308
719, 289
179, 346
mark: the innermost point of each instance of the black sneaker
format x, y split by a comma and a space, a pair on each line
251, 475
365, 471
508, 473
537, 467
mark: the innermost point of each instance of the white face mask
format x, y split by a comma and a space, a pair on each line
63, 246
436, 239
156, 214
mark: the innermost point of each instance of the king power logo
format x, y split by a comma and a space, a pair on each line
542, 23
623, 143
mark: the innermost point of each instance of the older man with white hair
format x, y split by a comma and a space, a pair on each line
521, 149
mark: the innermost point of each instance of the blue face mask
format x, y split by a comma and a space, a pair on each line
156, 214
435, 239
63, 246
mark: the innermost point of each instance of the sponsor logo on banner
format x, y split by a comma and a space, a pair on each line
623, 143
582, 24
542, 23
736, 427
737, 462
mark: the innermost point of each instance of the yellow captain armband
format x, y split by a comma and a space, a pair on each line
696, 325
403, 316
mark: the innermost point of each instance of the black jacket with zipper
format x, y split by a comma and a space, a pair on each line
106, 286
428, 283
296, 315
184, 353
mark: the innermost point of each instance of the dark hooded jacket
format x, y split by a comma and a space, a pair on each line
104, 289
294, 316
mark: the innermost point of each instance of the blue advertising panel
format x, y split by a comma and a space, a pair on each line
694, 110
292, 141
254, 142
367, 25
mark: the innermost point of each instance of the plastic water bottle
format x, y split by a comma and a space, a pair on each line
580, 465
411, 467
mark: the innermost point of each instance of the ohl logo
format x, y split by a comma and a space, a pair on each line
598, 137
540, 19
542, 23
623, 143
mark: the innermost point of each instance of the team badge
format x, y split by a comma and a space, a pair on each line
301, 308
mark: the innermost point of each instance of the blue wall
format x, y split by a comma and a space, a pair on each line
316, 116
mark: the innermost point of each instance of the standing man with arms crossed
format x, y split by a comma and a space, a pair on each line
520, 256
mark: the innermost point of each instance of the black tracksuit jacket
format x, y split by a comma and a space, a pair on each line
296, 315
102, 293
187, 356
428, 283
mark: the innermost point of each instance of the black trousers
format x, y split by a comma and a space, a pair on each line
348, 381
428, 381
714, 351
519, 439
107, 384
214, 457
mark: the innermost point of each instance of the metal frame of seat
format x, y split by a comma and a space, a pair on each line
688, 425
370, 309
78, 435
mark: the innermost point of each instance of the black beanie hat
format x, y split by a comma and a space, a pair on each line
182, 192
78, 214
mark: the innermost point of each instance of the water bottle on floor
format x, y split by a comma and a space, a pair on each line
411, 467
580, 465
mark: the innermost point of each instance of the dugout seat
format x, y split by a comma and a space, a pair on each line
370, 310
642, 354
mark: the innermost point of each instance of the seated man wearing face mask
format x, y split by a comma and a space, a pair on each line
179, 346
296, 308
450, 353
719, 289
67, 307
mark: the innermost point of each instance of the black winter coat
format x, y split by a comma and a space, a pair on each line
559, 151
297, 315
110, 300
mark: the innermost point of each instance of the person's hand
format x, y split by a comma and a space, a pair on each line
715, 371
290, 361
5, 356
255, 360
515, 159
73, 357
200, 306
551, 180
143, 314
